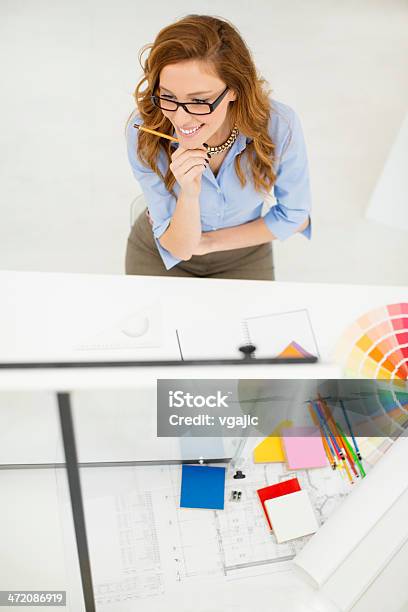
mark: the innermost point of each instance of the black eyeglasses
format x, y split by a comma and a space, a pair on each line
194, 108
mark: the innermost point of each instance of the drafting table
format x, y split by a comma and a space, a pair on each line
39, 493
43, 314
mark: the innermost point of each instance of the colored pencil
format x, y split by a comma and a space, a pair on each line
332, 437
345, 454
352, 457
327, 450
341, 441
350, 430
329, 420
331, 443
327, 434
335, 442
356, 459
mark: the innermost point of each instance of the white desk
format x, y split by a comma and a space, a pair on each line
43, 315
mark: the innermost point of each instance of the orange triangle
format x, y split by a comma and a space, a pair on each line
293, 350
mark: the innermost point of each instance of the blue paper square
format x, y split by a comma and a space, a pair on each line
202, 486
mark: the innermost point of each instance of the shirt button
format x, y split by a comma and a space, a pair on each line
218, 190
218, 214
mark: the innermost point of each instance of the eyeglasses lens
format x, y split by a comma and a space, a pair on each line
195, 108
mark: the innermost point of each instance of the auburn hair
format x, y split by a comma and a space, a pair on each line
217, 43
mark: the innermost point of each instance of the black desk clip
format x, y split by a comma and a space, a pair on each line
247, 350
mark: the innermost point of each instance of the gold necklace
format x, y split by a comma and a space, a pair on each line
225, 145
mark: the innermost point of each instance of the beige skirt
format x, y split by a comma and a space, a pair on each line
143, 257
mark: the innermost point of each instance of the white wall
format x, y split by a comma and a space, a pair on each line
69, 71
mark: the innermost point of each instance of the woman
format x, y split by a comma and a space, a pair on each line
205, 194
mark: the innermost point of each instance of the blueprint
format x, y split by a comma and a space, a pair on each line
142, 544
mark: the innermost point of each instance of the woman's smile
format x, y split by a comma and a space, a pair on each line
189, 132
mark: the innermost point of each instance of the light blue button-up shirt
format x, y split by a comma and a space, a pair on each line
223, 202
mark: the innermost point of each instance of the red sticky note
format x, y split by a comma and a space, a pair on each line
281, 488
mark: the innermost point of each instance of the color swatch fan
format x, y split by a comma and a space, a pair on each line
376, 345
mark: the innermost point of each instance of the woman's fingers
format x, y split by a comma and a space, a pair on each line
196, 170
187, 166
183, 165
149, 217
182, 150
186, 154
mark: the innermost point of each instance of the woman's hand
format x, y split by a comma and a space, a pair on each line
187, 166
205, 245
149, 217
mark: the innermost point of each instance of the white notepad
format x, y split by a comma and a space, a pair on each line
292, 516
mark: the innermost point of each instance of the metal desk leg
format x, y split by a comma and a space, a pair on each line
71, 459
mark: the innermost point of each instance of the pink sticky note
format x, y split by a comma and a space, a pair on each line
303, 447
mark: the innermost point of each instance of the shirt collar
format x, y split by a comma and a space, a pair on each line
241, 142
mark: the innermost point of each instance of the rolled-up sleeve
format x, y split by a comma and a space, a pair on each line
292, 185
160, 202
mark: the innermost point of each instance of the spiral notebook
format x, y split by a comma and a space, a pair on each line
279, 334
